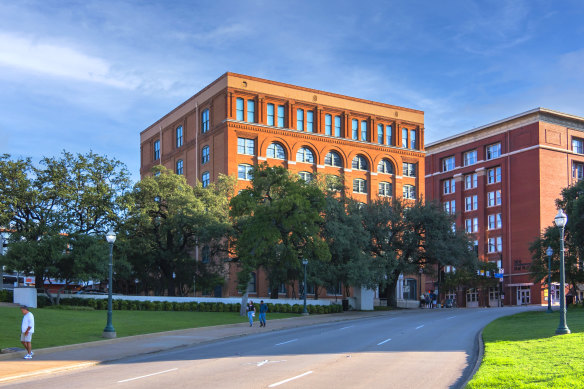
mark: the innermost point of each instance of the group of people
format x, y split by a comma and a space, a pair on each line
428, 300
251, 313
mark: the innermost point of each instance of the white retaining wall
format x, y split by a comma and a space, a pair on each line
225, 300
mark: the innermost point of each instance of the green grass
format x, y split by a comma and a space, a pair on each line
522, 351
58, 327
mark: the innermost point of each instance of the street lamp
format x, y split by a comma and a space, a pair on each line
549, 252
109, 331
561, 219
305, 262
3, 238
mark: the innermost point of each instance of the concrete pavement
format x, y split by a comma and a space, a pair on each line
77, 356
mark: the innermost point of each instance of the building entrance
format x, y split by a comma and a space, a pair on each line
523, 295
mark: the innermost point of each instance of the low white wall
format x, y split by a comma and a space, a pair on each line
225, 300
25, 296
408, 304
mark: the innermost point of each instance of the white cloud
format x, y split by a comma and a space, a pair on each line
31, 55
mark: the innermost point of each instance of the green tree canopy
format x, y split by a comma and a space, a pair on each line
277, 223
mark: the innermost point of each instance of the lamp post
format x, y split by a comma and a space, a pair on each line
420, 288
561, 219
109, 331
3, 238
549, 252
305, 262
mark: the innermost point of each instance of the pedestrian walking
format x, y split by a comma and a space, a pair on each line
433, 297
263, 310
250, 312
27, 329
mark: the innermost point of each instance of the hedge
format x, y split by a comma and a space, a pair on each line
134, 305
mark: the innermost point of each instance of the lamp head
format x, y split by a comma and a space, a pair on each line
110, 236
561, 219
549, 252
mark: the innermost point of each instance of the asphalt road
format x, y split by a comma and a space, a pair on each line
411, 349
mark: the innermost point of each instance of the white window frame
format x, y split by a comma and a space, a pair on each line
448, 163
361, 185
470, 181
470, 158
494, 175
493, 151
245, 146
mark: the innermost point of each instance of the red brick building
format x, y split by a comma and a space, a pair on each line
501, 180
238, 121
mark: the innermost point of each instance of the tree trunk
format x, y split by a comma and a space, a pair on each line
243, 309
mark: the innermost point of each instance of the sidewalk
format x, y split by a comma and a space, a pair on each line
77, 356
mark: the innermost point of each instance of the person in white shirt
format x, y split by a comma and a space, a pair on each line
27, 331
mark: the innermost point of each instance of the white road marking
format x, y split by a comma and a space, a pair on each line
262, 362
418, 327
385, 341
451, 317
289, 379
344, 328
289, 341
148, 375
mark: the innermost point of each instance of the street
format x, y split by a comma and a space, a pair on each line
403, 349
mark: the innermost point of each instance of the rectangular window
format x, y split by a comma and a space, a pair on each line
251, 111
447, 164
495, 221
389, 135
380, 134
205, 121
471, 203
413, 140
405, 132
179, 136
281, 115
493, 151
244, 172
309, 121
578, 170
156, 150
578, 145
300, 120
409, 192
270, 114
470, 158
475, 224
239, 109
337, 126
359, 185
470, 181
495, 245
364, 130
409, 169
494, 175
245, 146
328, 124
449, 186
450, 207
468, 226
385, 189
355, 129
494, 198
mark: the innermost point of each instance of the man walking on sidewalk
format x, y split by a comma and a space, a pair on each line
27, 329
263, 310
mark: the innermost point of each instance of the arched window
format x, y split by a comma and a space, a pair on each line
205, 155
179, 136
205, 179
244, 171
384, 166
275, 150
333, 159
306, 176
205, 121
179, 166
304, 155
359, 163
385, 189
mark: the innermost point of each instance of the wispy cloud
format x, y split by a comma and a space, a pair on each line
56, 60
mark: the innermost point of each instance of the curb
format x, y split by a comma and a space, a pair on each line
478, 360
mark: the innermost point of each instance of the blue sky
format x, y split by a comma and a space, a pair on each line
90, 75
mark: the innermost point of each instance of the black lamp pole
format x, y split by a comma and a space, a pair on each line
109, 331
549, 252
561, 220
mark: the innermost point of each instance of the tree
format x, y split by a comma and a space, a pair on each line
419, 235
168, 220
277, 223
54, 204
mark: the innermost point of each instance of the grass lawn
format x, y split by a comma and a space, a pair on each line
522, 351
60, 327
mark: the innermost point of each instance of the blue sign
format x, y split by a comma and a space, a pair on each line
498, 275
